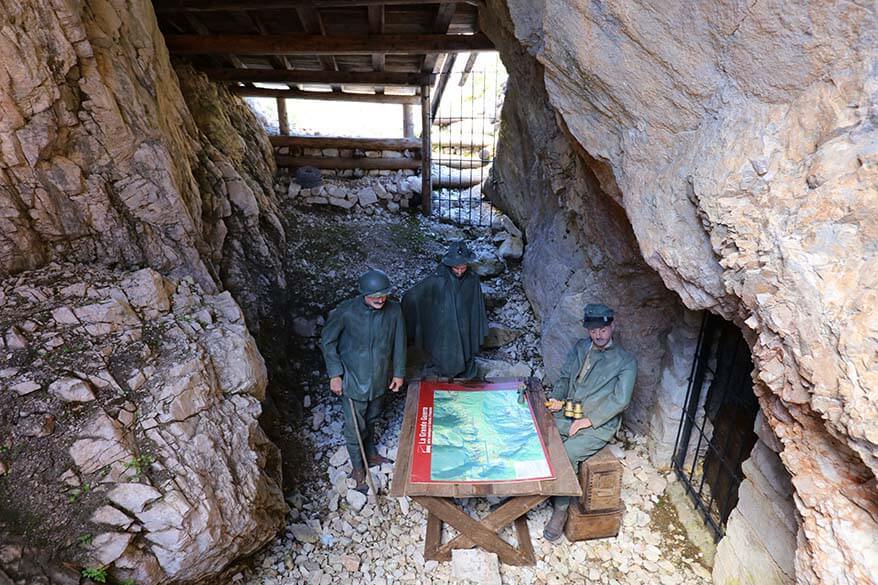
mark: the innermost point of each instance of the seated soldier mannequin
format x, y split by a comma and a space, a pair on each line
600, 374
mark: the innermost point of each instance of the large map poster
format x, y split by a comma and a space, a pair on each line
477, 433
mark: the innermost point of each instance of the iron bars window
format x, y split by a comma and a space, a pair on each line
716, 427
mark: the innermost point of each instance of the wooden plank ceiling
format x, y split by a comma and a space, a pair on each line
362, 46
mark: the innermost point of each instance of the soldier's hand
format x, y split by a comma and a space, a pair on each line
554, 405
335, 385
578, 425
395, 384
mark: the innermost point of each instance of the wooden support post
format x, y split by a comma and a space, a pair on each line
282, 120
426, 154
408, 121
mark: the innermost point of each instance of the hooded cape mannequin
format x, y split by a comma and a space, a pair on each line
445, 318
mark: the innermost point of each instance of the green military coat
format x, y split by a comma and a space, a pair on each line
363, 345
446, 319
604, 386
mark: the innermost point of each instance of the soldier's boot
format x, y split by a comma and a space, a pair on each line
359, 476
555, 526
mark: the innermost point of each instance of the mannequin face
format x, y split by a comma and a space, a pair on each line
376, 302
459, 270
601, 336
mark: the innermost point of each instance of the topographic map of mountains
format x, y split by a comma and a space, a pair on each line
485, 436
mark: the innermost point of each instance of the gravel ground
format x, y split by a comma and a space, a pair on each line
332, 535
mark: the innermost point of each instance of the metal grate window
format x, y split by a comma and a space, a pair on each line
465, 124
716, 427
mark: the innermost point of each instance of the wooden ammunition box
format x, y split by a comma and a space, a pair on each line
582, 525
601, 480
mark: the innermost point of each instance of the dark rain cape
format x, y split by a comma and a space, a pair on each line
364, 346
445, 318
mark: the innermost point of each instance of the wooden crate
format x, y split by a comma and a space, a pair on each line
601, 480
582, 525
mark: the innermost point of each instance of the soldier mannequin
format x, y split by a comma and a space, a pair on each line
445, 315
601, 374
363, 343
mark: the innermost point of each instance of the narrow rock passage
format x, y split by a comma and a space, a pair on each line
333, 534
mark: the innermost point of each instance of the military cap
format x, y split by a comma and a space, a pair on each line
597, 315
374, 283
458, 253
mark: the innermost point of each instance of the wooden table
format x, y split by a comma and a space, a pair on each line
437, 498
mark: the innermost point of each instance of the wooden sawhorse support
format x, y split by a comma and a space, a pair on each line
482, 533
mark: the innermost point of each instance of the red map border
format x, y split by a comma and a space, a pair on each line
423, 436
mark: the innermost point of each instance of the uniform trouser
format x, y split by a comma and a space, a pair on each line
579, 447
366, 413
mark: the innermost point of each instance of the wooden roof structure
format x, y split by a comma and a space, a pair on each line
386, 49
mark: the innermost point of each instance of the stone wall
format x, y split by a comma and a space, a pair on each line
737, 140
105, 160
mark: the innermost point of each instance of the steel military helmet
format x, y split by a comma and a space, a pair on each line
374, 283
597, 316
458, 253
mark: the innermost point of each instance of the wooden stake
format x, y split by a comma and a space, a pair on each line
282, 120
426, 173
408, 121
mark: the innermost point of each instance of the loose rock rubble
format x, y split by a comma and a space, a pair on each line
335, 534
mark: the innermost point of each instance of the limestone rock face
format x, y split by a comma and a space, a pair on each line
105, 160
580, 247
164, 464
738, 141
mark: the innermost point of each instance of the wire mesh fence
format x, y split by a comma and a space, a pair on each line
465, 126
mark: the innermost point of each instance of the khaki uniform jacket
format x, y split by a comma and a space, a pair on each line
604, 386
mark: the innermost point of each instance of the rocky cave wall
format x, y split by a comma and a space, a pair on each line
111, 156
580, 246
738, 141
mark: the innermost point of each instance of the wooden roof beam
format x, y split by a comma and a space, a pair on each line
376, 27
277, 61
444, 15
202, 30
313, 25
327, 96
172, 6
442, 83
324, 77
467, 69
310, 44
